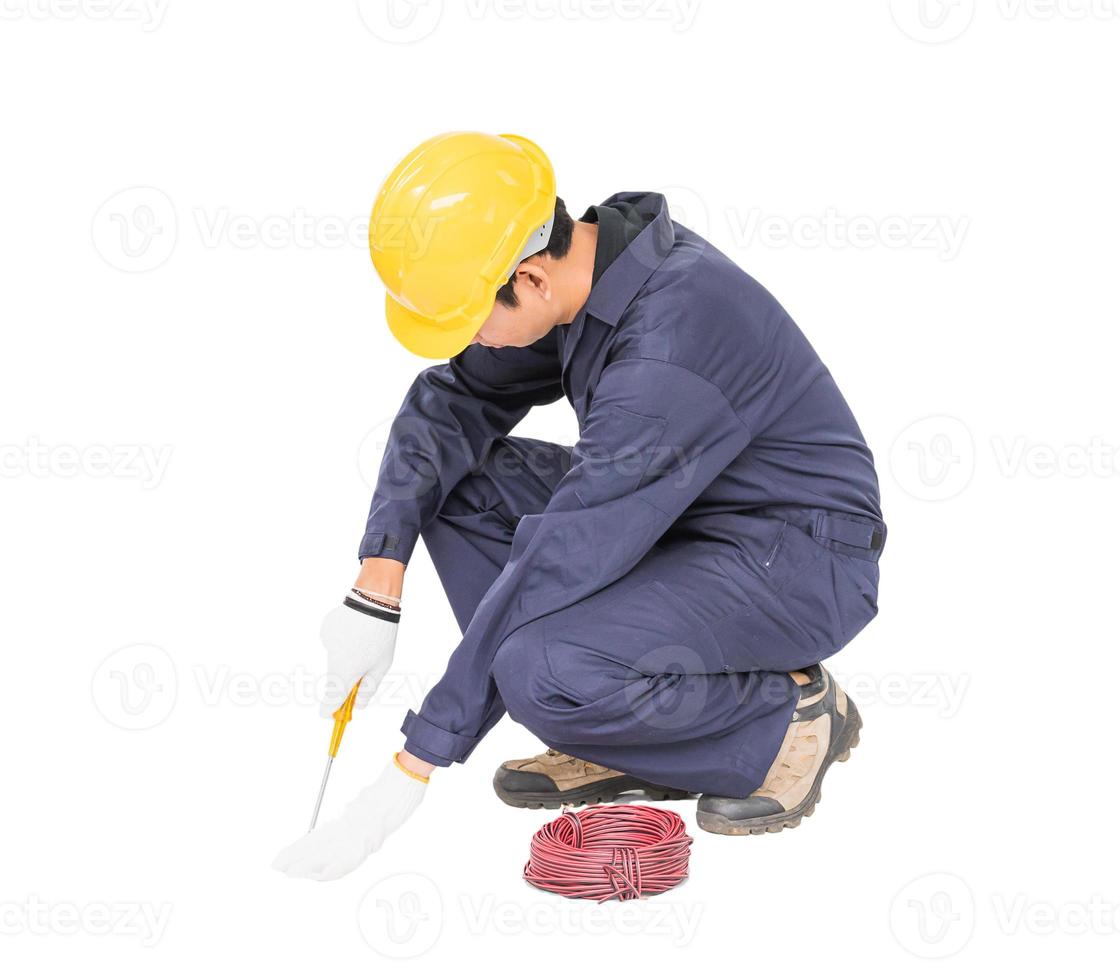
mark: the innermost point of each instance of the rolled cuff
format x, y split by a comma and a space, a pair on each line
397, 545
441, 748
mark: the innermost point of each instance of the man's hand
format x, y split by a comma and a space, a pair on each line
337, 847
359, 636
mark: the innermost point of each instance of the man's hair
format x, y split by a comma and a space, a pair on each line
558, 244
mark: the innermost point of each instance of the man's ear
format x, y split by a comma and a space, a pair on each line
533, 276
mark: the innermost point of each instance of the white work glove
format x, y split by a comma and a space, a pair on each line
360, 637
337, 847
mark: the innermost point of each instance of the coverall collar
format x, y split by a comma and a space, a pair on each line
620, 283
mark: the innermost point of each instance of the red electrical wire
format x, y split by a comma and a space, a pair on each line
606, 852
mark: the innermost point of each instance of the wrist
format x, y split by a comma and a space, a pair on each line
413, 766
381, 576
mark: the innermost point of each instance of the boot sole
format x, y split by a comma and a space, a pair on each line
839, 751
606, 791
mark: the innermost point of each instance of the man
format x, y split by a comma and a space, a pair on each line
652, 603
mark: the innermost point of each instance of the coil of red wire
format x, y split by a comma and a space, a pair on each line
608, 852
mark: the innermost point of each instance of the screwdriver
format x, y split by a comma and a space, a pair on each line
341, 719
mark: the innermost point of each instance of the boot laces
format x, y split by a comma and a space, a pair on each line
797, 763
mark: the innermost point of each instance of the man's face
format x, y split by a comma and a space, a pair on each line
531, 319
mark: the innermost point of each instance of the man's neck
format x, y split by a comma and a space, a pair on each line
577, 269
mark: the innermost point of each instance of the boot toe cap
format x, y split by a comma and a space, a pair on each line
749, 808
523, 781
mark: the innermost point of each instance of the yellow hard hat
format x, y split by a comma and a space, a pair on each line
449, 226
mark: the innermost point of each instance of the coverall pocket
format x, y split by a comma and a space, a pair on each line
643, 631
771, 554
837, 591
807, 603
794, 553
861, 594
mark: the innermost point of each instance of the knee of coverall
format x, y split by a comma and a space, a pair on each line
564, 694
529, 690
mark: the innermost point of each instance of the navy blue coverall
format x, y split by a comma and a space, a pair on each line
638, 599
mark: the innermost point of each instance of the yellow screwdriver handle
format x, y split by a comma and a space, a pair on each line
342, 718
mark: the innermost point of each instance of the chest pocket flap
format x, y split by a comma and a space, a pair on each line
617, 458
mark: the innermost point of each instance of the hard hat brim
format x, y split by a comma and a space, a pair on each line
426, 338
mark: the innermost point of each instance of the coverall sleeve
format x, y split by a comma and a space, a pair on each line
449, 418
656, 435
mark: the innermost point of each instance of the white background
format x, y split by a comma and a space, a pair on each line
930, 190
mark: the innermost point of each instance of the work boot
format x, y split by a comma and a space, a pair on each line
824, 729
553, 779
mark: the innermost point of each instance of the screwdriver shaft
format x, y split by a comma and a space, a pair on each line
342, 718
322, 790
